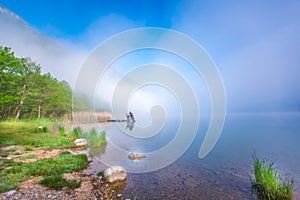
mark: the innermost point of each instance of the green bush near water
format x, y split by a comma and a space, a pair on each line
76, 132
267, 182
93, 137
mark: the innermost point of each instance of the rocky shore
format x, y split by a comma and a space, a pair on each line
91, 188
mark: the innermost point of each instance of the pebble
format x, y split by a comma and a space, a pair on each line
119, 195
10, 193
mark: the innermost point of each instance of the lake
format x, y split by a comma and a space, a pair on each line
222, 174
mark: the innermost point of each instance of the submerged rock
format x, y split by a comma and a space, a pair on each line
136, 156
80, 142
115, 173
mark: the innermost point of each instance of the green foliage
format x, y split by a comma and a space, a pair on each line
268, 183
13, 172
57, 182
26, 93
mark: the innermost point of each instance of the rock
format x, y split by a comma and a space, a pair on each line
10, 193
136, 156
118, 186
80, 142
115, 173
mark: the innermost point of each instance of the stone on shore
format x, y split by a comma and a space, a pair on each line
136, 156
114, 174
80, 142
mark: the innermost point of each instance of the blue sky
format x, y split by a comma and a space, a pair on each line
255, 44
71, 18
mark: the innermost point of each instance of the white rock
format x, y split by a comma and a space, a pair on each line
115, 173
80, 142
10, 193
136, 156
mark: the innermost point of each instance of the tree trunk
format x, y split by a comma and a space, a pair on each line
40, 107
18, 110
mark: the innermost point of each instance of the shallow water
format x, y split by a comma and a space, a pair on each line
224, 173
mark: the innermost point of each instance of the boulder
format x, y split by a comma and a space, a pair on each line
114, 174
136, 156
80, 142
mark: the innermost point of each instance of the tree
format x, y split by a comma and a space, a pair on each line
9, 79
26, 93
29, 73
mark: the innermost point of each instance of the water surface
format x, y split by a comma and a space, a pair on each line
224, 173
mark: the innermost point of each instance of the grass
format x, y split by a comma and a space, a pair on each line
267, 182
76, 132
33, 134
29, 135
94, 138
29, 156
8, 187
14, 172
101, 174
57, 182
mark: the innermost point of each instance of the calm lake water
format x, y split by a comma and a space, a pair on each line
224, 173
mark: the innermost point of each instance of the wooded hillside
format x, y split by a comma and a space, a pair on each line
27, 93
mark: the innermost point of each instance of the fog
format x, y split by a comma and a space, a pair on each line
255, 46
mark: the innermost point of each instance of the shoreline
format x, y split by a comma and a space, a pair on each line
92, 187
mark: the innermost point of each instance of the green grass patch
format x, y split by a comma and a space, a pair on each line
43, 140
7, 187
26, 126
29, 156
57, 182
267, 182
61, 130
14, 172
29, 134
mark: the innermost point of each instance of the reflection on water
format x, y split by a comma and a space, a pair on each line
97, 151
130, 125
224, 173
